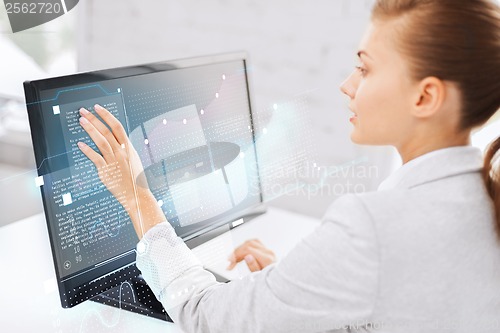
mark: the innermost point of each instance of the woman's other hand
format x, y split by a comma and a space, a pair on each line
255, 254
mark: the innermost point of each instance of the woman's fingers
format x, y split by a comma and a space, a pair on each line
253, 246
98, 139
101, 128
252, 264
92, 155
232, 261
113, 123
256, 250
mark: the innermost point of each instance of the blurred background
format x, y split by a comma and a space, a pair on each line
298, 48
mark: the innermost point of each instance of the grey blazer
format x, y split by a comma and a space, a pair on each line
419, 255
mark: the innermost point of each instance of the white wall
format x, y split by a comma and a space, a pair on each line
295, 47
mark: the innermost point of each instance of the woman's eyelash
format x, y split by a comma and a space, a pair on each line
361, 69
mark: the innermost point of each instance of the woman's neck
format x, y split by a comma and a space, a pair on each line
416, 148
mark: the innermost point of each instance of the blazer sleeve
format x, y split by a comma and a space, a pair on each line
328, 281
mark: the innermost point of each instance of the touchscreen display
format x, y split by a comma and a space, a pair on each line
192, 129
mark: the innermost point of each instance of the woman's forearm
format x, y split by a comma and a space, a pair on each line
144, 211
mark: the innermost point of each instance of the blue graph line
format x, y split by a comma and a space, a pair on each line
73, 89
54, 99
38, 168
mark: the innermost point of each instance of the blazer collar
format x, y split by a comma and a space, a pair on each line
435, 165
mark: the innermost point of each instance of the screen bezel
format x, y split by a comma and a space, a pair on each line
86, 281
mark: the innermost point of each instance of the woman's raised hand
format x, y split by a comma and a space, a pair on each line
119, 165
120, 168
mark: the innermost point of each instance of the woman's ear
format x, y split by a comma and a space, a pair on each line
431, 93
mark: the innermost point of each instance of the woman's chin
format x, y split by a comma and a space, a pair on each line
359, 139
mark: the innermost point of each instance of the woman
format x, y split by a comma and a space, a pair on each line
421, 254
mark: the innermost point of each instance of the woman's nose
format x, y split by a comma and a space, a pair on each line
348, 87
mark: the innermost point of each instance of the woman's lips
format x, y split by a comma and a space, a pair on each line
353, 117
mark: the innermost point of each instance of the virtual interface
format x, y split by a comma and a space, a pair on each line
192, 130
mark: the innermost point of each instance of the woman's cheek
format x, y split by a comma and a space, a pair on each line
367, 102
372, 121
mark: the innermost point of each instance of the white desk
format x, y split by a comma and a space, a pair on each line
28, 292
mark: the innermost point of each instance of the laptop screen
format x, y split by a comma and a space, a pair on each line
190, 122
